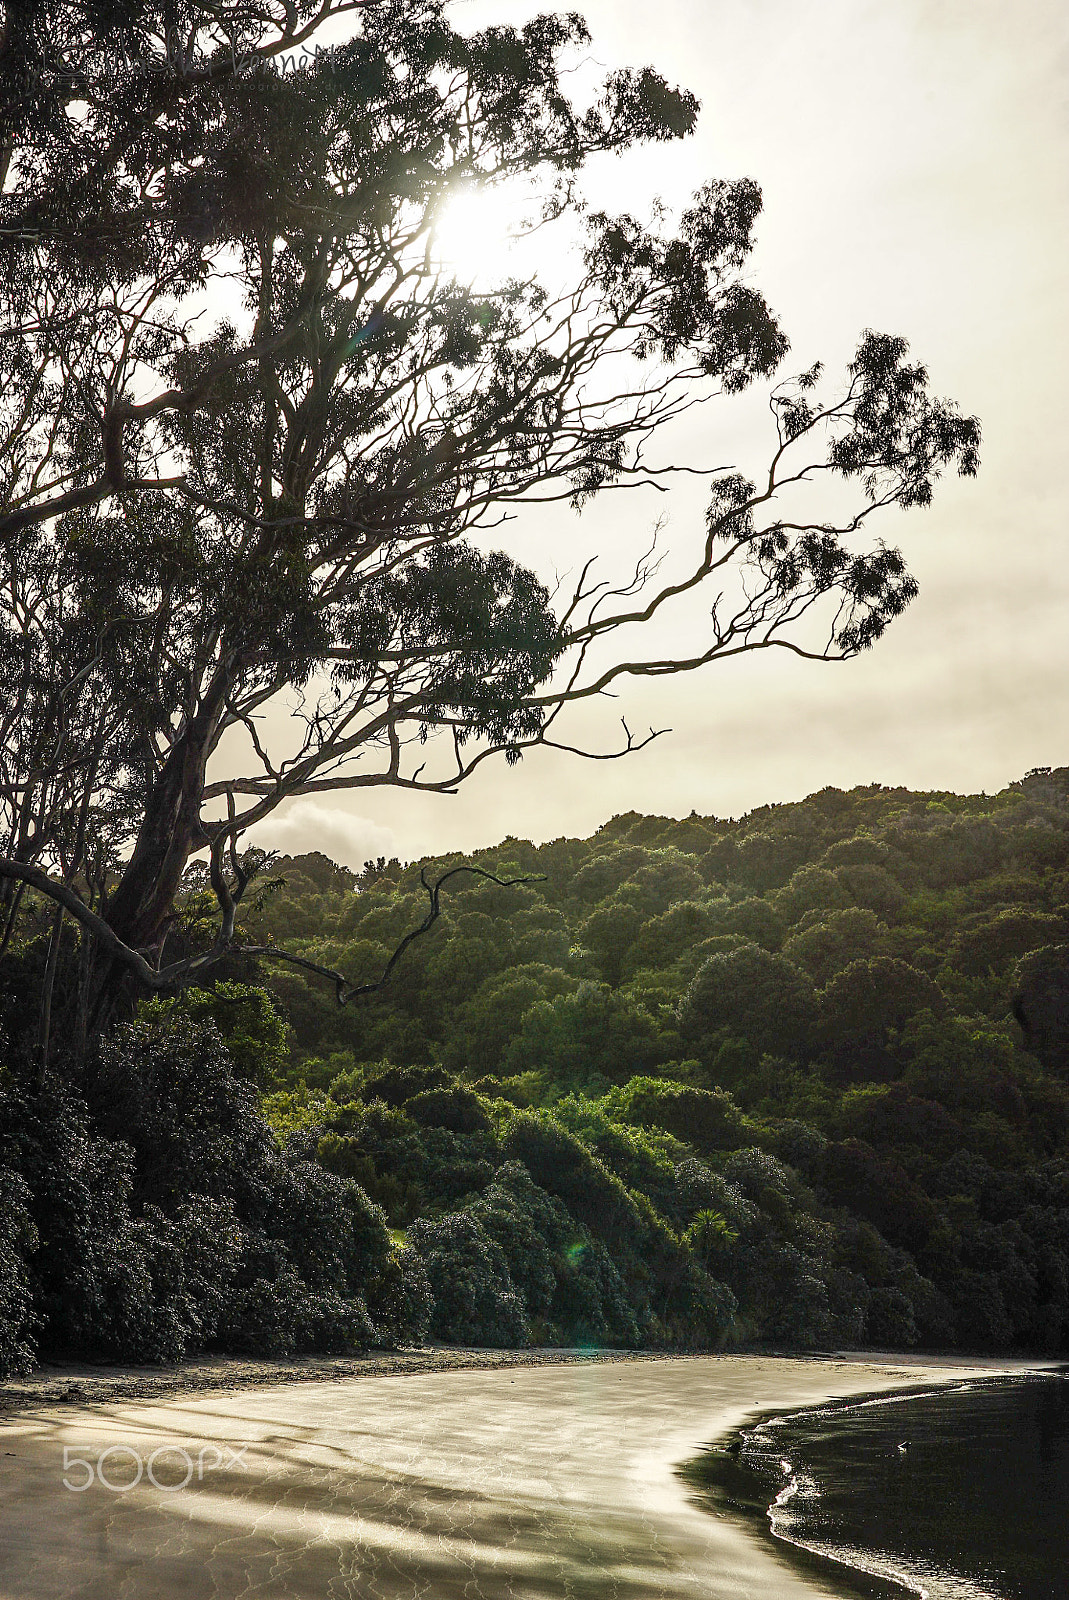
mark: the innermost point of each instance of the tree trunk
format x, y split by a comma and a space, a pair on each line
45, 1026
141, 903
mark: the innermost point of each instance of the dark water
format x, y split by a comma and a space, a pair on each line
977, 1508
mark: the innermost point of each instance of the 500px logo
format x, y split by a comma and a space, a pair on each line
119, 1467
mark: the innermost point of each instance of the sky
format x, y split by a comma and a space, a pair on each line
914, 160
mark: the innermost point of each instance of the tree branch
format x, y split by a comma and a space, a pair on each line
181, 973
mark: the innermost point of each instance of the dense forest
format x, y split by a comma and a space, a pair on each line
798, 1079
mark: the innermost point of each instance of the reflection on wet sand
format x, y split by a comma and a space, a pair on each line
545, 1482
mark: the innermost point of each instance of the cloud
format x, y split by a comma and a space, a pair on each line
347, 839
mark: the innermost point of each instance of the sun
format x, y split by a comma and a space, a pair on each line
482, 236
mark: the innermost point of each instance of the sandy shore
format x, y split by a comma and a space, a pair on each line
84, 1384
537, 1479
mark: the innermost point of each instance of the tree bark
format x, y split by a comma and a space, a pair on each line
48, 987
141, 902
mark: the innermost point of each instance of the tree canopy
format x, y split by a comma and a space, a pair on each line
258, 438
814, 1128
852, 1121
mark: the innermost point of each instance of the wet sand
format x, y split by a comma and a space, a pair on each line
549, 1482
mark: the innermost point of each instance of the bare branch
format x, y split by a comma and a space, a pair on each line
182, 973
347, 991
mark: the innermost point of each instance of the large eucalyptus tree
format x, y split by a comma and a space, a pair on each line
256, 438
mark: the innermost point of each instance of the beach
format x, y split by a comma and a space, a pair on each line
490, 1480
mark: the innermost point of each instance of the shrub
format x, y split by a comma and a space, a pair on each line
640, 1157
395, 1086
698, 1189
166, 1086
593, 1034
277, 1315
533, 1230
18, 1236
869, 997
699, 1312
475, 1299
255, 1035
561, 1164
591, 1304
399, 1299
797, 1143
980, 1310
455, 1108
708, 1119
570, 1285
198, 1232
890, 1319
830, 941
879, 1190
1041, 1004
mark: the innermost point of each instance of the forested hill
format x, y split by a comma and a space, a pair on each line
823, 1050
800, 1080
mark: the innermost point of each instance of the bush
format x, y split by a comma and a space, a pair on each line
561, 1164
91, 1277
197, 1233
699, 1313
277, 1315
593, 1035
890, 1319
980, 1309
18, 1237
395, 1086
166, 1086
399, 1300
879, 1190
256, 1037
640, 1157
475, 1299
708, 1119
698, 1189
570, 1285
828, 941
868, 998
455, 1108
1041, 1004
797, 1143
591, 1305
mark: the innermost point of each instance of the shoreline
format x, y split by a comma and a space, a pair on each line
496, 1476
728, 1486
93, 1383
90, 1383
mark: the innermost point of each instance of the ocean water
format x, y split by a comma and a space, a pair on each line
959, 1493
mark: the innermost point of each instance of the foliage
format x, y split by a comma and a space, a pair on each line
475, 1300
18, 1238
155, 1216
250, 1026
640, 1167
785, 1105
260, 437
754, 994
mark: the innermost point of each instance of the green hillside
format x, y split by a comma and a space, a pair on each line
800, 1079
777, 1057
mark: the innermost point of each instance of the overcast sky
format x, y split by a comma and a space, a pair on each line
913, 158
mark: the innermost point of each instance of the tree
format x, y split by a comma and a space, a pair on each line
759, 996
1041, 1003
200, 512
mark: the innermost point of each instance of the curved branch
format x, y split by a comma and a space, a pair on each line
181, 973
63, 895
347, 991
